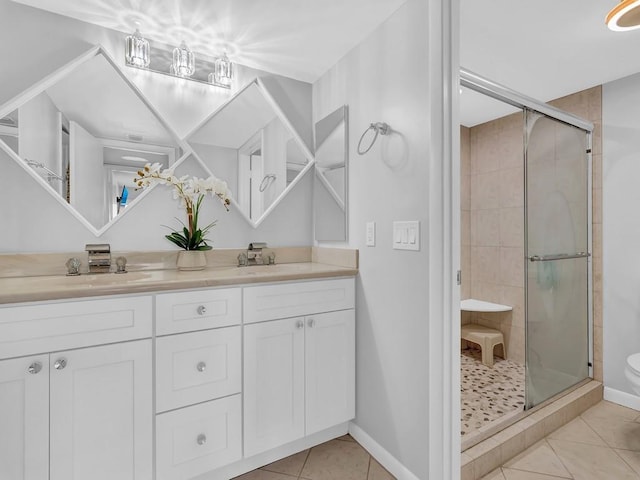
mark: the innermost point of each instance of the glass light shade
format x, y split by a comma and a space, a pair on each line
184, 61
222, 71
136, 50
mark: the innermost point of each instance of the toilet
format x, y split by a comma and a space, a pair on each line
632, 372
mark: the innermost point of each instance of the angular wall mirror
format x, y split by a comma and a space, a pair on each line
331, 178
83, 132
250, 143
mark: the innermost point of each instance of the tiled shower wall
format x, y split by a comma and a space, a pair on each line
492, 216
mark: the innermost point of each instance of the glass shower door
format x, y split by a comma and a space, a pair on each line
557, 158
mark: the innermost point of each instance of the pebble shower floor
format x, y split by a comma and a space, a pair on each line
486, 393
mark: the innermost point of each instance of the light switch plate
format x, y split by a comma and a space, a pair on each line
406, 235
371, 234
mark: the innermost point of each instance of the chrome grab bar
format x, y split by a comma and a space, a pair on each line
558, 256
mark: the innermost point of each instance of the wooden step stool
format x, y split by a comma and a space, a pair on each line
486, 337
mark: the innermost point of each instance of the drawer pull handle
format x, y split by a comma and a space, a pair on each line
311, 322
201, 367
34, 368
202, 310
60, 364
202, 439
299, 324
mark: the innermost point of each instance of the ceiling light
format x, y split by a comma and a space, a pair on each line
222, 72
624, 16
184, 61
136, 50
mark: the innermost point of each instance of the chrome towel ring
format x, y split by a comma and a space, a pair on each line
267, 181
380, 128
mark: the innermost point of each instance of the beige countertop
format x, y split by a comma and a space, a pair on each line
54, 287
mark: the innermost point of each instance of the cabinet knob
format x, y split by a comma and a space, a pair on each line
34, 368
60, 364
201, 367
202, 310
202, 439
311, 322
299, 324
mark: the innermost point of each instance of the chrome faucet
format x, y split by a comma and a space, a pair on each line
254, 253
99, 257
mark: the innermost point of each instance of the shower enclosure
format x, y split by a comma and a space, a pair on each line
557, 225
557, 242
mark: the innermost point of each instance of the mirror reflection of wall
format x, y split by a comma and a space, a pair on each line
86, 134
250, 145
330, 187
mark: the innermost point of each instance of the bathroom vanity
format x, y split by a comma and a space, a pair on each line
170, 375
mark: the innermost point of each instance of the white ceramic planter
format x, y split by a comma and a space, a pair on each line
190, 260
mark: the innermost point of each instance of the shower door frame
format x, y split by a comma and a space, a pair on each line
504, 94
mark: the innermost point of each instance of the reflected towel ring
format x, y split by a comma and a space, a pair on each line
267, 181
380, 128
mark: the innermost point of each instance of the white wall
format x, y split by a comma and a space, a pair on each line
621, 227
182, 104
390, 78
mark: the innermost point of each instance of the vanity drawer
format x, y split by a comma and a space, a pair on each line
29, 329
196, 367
197, 439
270, 302
189, 311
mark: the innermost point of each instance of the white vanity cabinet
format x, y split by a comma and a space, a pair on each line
225, 379
299, 372
79, 412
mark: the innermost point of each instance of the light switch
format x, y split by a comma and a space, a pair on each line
371, 234
406, 235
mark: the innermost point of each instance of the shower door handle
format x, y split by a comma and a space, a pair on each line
558, 256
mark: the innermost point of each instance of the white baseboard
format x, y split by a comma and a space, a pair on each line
621, 398
385, 459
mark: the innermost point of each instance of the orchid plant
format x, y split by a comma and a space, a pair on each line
191, 191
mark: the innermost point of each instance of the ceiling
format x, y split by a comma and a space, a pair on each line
544, 49
295, 38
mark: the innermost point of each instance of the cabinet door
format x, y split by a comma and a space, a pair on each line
273, 384
24, 418
330, 369
101, 413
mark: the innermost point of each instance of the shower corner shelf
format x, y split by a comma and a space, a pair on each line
473, 305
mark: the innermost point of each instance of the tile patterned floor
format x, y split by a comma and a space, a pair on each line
339, 459
601, 444
486, 393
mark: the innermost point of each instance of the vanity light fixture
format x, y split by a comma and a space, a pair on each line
624, 16
184, 61
181, 62
222, 71
136, 50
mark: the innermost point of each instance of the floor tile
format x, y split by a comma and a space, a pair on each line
488, 393
291, 465
610, 410
578, 431
337, 460
495, 475
510, 474
264, 475
378, 472
346, 438
592, 462
539, 458
632, 459
617, 433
